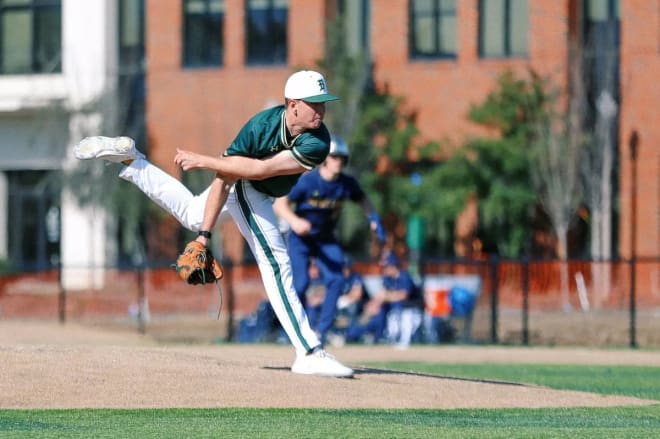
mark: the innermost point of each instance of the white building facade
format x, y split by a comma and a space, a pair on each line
59, 67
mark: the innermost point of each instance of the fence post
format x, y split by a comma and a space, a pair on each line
61, 305
142, 304
634, 140
525, 304
633, 304
228, 281
494, 266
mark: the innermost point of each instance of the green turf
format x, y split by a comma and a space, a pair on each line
638, 381
611, 422
289, 423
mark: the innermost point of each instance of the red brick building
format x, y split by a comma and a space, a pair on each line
201, 106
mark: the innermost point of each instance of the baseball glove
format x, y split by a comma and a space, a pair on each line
196, 265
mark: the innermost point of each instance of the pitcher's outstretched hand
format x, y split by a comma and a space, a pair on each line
188, 160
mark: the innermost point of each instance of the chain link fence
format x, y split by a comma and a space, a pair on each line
518, 302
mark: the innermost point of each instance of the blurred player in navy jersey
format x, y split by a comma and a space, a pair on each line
402, 302
312, 209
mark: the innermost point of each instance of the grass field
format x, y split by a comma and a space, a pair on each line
639, 381
611, 422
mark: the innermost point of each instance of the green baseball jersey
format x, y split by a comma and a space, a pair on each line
265, 134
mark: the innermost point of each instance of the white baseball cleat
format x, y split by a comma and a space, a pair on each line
320, 363
112, 149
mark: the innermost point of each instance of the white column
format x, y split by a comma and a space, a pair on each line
89, 63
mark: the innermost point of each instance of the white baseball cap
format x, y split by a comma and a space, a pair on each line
308, 86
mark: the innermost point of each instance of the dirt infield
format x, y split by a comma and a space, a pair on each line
46, 365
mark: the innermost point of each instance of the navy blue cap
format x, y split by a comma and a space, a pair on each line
390, 259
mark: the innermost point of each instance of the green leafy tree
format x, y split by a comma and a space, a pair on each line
349, 75
497, 170
381, 132
381, 141
378, 132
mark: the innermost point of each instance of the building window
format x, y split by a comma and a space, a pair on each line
432, 28
131, 35
602, 44
356, 16
30, 36
203, 32
503, 26
266, 31
602, 10
131, 77
33, 215
601, 28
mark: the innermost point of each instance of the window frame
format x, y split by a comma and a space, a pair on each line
209, 19
437, 14
507, 33
39, 35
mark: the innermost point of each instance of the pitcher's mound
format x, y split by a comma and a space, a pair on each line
63, 368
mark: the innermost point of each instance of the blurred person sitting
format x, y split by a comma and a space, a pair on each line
368, 326
402, 302
350, 303
394, 314
314, 295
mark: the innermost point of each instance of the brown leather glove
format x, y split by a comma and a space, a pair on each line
196, 265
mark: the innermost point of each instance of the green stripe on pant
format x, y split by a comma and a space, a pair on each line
274, 264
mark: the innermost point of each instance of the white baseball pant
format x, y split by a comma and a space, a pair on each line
253, 213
